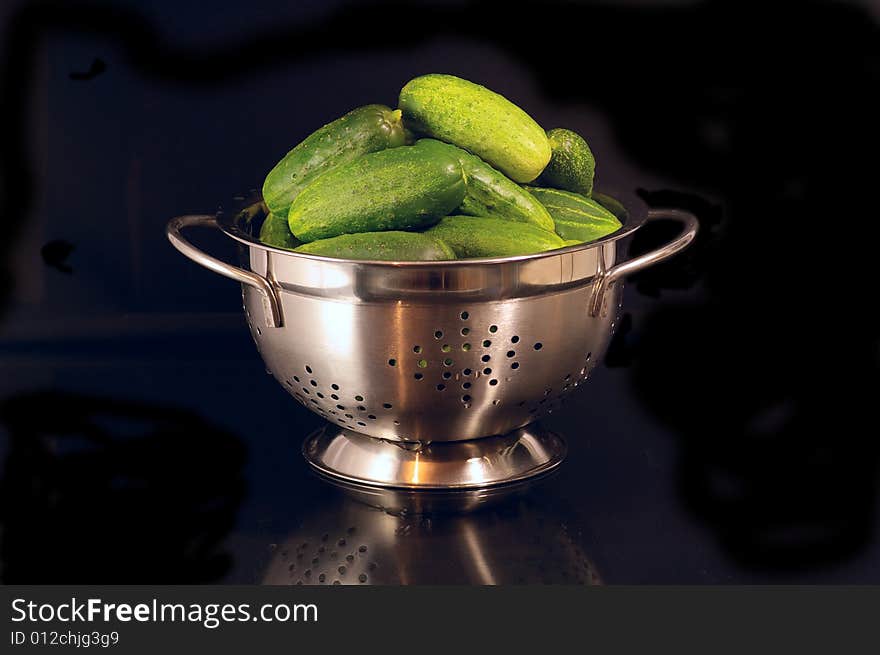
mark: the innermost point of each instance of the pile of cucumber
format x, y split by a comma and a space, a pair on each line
456, 172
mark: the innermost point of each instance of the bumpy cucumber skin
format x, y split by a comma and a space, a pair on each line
479, 120
572, 165
576, 216
276, 232
409, 187
381, 246
611, 204
362, 130
491, 193
485, 236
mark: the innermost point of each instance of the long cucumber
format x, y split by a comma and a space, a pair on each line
362, 130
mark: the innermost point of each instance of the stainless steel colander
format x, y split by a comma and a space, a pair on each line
430, 351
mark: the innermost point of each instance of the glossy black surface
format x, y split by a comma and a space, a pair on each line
730, 438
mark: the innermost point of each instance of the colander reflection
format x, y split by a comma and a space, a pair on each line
415, 541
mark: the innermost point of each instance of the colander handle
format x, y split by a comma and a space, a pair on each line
258, 282
689, 227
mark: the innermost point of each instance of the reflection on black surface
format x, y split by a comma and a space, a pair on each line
520, 540
98, 490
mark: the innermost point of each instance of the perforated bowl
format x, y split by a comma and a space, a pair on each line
431, 351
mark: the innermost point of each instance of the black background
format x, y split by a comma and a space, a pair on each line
731, 436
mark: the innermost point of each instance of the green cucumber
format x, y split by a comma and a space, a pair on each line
611, 204
572, 164
479, 120
485, 236
276, 232
362, 130
576, 216
491, 193
409, 187
381, 246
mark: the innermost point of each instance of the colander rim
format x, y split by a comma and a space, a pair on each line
230, 225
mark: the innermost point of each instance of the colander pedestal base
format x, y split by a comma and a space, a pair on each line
472, 464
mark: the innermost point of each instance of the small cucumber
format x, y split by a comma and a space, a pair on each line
491, 193
479, 120
572, 164
276, 232
485, 236
381, 246
576, 216
362, 130
409, 187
